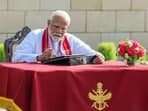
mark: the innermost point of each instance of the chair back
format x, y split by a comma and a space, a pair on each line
11, 43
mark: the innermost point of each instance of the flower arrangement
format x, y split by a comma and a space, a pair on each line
131, 51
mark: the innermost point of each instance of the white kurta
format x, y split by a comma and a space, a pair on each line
31, 47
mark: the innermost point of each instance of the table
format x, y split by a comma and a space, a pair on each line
37, 87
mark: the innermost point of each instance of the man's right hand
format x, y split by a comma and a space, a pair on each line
47, 54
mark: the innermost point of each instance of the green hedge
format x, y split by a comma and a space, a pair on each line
108, 49
2, 53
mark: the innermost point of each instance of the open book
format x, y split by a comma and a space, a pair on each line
69, 60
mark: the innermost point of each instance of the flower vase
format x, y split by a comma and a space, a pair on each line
130, 62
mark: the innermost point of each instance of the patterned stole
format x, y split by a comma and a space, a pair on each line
64, 43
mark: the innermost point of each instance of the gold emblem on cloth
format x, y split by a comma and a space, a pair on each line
7, 104
99, 97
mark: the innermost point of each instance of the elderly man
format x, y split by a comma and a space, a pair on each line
53, 41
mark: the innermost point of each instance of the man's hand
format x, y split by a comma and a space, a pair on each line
47, 54
99, 59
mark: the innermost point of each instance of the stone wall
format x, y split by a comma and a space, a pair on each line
93, 21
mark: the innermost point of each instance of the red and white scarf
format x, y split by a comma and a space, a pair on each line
65, 48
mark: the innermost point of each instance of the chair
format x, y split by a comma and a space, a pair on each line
11, 43
7, 104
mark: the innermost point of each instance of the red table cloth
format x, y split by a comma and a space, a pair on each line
37, 87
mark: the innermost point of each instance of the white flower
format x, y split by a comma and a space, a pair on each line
118, 49
137, 49
126, 55
130, 43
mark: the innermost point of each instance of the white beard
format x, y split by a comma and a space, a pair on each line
56, 38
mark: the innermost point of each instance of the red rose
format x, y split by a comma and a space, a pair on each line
131, 51
141, 52
122, 49
135, 44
